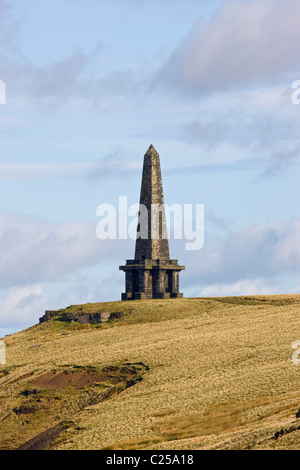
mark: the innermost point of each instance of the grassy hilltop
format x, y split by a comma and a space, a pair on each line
213, 373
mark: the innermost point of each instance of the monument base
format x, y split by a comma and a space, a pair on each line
142, 295
151, 279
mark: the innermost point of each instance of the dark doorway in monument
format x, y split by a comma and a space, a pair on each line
169, 282
135, 283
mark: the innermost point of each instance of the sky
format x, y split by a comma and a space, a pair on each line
89, 86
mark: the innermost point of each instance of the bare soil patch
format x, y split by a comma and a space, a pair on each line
77, 380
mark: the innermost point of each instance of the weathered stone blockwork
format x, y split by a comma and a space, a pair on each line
152, 274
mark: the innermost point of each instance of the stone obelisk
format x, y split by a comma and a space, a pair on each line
151, 274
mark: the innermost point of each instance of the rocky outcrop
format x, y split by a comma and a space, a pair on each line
49, 314
81, 316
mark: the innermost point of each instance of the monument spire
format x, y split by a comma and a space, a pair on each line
151, 274
152, 212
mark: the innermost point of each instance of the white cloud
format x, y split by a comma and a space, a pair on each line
26, 171
246, 120
47, 85
244, 287
34, 250
36, 253
245, 41
258, 252
21, 307
101, 169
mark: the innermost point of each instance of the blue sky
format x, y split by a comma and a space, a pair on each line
89, 86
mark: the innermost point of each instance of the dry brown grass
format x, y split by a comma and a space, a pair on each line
221, 374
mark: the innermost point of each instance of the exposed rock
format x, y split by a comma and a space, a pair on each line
115, 315
69, 316
84, 319
284, 431
48, 315
81, 317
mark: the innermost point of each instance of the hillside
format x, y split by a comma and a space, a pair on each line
197, 373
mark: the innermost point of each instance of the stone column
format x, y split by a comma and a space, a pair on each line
160, 286
148, 284
175, 282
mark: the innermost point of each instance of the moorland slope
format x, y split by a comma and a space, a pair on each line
192, 373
